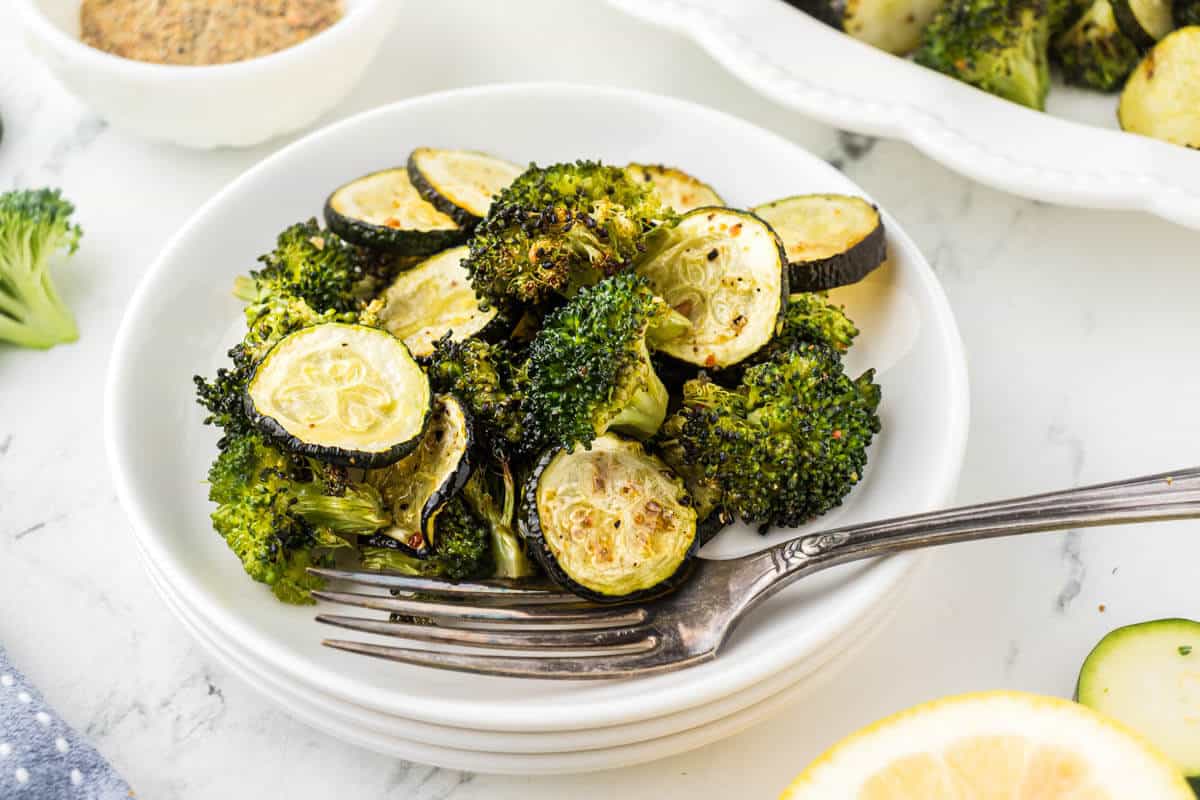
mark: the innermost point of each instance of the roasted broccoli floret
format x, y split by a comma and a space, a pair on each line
783, 447
280, 514
999, 46
490, 381
35, 224
810, 318
1187, 12
589, 366
313, 265
1093, 52
557, 229
508, 556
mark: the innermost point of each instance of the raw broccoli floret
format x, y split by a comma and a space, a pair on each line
35, 224
783, 447
589, 366
490, 380
1094, 52
557, 229
999, 46
810, 318
280, 514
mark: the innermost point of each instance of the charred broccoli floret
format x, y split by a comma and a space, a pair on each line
1187, 12
488, 379
280, 514
783, 447
1093, 52
589, 366
999, 46
557, 229
35, 224
810, 318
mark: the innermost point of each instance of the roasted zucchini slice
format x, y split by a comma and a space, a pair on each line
891, 25
383, 210
431, 300
610, 522
1144, 21
830, 239
678, 190
343, 394
723, 270
1162, 97
416, 489
460, 183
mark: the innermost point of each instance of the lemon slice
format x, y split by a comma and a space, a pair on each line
992, 746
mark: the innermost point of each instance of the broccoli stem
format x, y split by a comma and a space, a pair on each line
359, 512
508, 551
643, 414
31, 312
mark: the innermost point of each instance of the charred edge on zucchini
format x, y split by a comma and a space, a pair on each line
1144, 21
743, 283
433, 299
678, 190
340, 393
611, 523
460, 183
892, 26
830, 240
1162, 95
385, 211
416, 489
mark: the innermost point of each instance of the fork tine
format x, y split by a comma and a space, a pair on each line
625, 665
625, 639
445, 590
576, 615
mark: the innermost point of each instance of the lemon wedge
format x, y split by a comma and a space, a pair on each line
992, 746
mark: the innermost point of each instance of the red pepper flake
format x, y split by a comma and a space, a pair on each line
711, 361
837, 434
416, 541
392, 222
736, 230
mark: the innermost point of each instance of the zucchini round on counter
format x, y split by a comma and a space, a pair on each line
460, 183
891, 25
384, 210
678, 190
431, 300
1144, 676
610, 523
1144, 21
416, 489
724, 270
1161, 99
343, 394
830, 239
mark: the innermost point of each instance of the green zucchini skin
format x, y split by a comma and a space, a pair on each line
440, 496
465, 219
399, 241
1133, 27
848, 266
530, 527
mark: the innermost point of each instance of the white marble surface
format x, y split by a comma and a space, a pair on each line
1080, 328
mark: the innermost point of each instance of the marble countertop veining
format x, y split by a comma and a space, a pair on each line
1081, 330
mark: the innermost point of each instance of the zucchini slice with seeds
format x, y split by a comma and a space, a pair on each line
1144, 21
678, 190
432, 299
460, 183
724, 270
609, 522
416, 489
1161, 99
830, 239
343, 394
891, 25
384, 210
1145, 676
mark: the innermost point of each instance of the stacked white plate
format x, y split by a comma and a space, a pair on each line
182, 319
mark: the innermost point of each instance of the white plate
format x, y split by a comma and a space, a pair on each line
1073, 155
347, 723
182, 318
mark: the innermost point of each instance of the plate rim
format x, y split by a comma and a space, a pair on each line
1129, 184
463, 714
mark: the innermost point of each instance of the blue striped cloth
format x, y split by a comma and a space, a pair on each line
41, 757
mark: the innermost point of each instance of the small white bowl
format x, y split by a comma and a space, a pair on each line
237, 104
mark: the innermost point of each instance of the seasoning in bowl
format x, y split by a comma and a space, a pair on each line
201, 32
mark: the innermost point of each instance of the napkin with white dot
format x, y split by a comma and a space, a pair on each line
40, 756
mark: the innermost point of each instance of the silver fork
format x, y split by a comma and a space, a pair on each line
494, 628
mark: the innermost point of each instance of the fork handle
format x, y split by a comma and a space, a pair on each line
1166, 496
